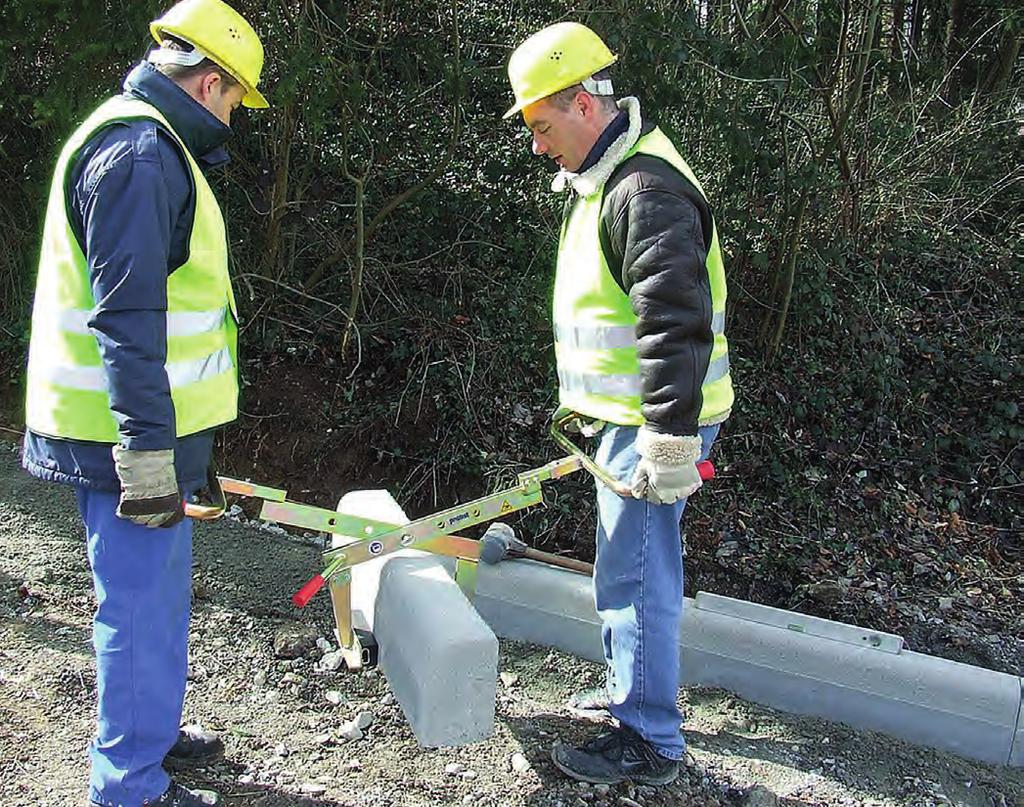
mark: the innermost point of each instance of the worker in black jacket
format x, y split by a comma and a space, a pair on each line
639, 319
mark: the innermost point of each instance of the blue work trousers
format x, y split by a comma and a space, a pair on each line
142, 578
638, 587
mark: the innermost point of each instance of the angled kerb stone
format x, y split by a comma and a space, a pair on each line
439, 656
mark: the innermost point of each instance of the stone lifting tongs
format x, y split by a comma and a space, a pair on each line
371, 539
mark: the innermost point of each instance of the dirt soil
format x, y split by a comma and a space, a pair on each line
282, 720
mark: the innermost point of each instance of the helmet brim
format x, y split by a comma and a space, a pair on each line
254, 99
514, 110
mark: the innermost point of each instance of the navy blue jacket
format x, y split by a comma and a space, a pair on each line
131, 202
618, 126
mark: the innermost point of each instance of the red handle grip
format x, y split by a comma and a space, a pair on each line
706, 470
305, 594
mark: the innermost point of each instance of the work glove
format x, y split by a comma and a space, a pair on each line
149, 487
667, 470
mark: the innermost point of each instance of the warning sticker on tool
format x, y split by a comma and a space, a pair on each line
506, 506
376, 547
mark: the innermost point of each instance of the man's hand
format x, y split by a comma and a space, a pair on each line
667, 470
149, 487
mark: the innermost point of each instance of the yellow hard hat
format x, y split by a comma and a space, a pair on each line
554, 58
223, 35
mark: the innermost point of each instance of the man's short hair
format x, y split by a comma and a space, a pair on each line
182, 72
563, 98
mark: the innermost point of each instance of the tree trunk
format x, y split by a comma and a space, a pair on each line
772, 335
440, 166
935, 36
741, 29
725, 18
279, 193
360, 264
997, 77
956, 30
897, 49
955, 46
916, 26
828, 27
770, 15
867, 43
899, 25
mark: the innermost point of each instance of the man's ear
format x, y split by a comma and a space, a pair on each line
585, 103
207, 84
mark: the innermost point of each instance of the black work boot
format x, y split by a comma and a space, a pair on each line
178, 796
194, 748
615, 757
589, 700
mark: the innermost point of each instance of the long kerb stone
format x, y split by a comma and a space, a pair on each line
438, 654
786, 660
1017, 749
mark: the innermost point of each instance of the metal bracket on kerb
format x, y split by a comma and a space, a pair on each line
800, 623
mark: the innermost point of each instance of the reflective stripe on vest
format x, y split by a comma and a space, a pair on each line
595, 327
67, 391
179, 323
595, 337
616, 385
179, 373
598, 337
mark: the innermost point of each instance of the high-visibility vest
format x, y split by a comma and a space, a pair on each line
595, 327
67, 394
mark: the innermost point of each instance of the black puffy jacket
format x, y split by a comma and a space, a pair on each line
655, 231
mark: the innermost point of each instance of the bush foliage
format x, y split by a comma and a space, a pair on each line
393, 242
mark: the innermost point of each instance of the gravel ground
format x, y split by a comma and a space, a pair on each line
300, 734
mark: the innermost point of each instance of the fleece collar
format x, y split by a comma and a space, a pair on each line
594, 177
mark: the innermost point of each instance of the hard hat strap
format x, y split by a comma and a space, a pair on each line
185, 58
188, 58
598, 86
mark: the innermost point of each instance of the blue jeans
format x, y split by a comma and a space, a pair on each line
638, 587
143, 579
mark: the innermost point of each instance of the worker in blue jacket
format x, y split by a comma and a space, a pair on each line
133, 364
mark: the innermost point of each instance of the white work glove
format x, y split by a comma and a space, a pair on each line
667, 470
149, 487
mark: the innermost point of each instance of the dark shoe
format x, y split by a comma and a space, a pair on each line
178, 796
590, 700
615, 757
194, 748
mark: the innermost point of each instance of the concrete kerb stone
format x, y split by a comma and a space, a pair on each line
1017, 751
440, 657
924, 699
784, 660
438, 654
380, 505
